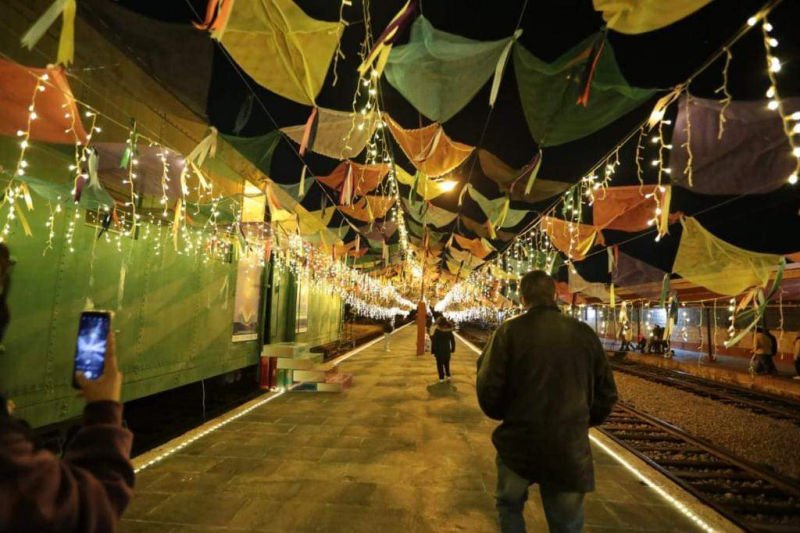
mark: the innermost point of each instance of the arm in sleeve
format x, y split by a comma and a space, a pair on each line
452, 342
492, 375
605, 390
86, 491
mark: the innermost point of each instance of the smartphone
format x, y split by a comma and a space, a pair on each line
90, 353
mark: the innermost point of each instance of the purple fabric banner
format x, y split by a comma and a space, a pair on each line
752, 157
630, 271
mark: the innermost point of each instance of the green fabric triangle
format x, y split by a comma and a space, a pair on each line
549, 93
258, 150
439, 72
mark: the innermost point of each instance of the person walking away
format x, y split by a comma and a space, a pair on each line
89, 488
764, 352
545, 376
443, 344
5, 283
388, 328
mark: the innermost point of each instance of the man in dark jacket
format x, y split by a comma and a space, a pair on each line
545, 376
88, 489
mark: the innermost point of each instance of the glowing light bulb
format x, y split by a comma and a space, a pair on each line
768, 26
772, 41
793, 179
774, 64
752, 21
772, 105
771, 92
796, 151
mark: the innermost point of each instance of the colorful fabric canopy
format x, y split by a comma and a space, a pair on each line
339, 134
513, 181
359, 179
630, 208
429, 148
426, 212
549, 92
718, 266
58, 119
751, 156
368, 208
641, 16
277, 44
573, 239
439, 72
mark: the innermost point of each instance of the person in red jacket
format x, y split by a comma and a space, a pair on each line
90, 487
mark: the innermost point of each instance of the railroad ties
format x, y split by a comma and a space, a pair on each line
749, 400
751, 497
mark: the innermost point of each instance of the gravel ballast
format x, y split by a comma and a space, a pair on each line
757, 438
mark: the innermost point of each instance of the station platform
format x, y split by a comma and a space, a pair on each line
729, 369
396, 452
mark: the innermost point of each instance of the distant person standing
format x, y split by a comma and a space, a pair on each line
5, 283
388, 328
443, 344
764, 352
546, 377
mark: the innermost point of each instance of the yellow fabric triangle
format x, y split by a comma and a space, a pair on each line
280, 47
718, 266
641, 16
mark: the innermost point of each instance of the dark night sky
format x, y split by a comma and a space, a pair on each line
659, 59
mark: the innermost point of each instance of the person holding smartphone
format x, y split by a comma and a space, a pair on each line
91, 486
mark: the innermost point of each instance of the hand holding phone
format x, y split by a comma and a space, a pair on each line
96, 371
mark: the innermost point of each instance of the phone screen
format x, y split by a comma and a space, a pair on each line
90, 355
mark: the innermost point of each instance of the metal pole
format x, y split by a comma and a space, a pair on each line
709, 333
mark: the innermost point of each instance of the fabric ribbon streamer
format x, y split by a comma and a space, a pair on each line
91, 167
310, 132
66, 42
379, 55
642, 16
205, 148
244, 114
176, 222
589, 70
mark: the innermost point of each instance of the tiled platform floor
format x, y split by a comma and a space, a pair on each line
397, 452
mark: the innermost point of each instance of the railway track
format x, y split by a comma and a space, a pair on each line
749, 496
755, 402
